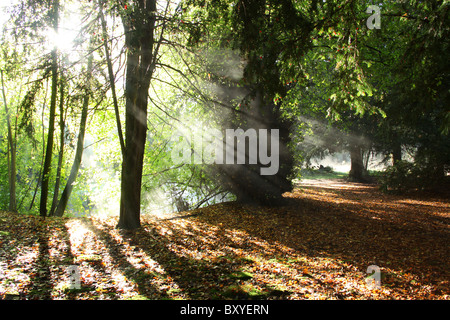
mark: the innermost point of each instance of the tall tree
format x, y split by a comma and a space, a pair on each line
111, 78
62, 204
51, 126
274, 39
139, 22
11, 154
265, 36
62, 128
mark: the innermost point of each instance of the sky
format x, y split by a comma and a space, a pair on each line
69, 26
3, 5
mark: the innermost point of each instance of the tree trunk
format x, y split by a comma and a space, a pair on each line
80, 145
135, 137
139, 38
38, 182
61, 150
11, 156
397, 153
367, 158
51, 128
357, 172
111, 78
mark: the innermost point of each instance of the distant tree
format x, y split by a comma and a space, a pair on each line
413, 51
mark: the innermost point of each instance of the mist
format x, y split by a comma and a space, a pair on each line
340, 162
323, 144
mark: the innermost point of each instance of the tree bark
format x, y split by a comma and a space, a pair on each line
139, 39
61, 150
38, 182
357, 172
396, 153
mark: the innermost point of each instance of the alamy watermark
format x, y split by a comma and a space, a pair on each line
74, 277
209, 146
374, 21
374, 279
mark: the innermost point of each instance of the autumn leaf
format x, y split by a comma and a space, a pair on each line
317, 246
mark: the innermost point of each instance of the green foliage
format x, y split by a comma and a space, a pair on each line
4, 190
398, 177
27, 109
407, 176
320, 73
326, 173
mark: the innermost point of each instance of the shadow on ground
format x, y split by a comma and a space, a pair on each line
318, 245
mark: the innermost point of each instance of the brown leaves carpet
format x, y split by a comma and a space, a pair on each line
318, 245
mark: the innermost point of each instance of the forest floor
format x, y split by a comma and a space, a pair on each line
318, 245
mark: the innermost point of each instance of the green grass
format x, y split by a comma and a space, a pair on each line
244, 291
241, 275
309, 174
88, 258
312, 174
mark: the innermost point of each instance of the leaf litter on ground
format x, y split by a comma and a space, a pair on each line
317, 245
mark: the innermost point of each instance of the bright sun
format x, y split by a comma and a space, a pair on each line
69, 27
63, 39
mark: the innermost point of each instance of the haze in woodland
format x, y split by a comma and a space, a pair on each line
145, 109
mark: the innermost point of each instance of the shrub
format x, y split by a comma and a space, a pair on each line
406, 176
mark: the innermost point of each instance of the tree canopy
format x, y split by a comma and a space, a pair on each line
101, 99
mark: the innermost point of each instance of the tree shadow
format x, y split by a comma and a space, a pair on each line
29, 255
15, 242
414, 242
196, 273
40, 286
48, 273
237, 251
139, 276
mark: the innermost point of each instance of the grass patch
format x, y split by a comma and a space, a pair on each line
244, 291
69, 289
310, 174
88, 258
247, 260
4, 233
241, 275
137, 297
